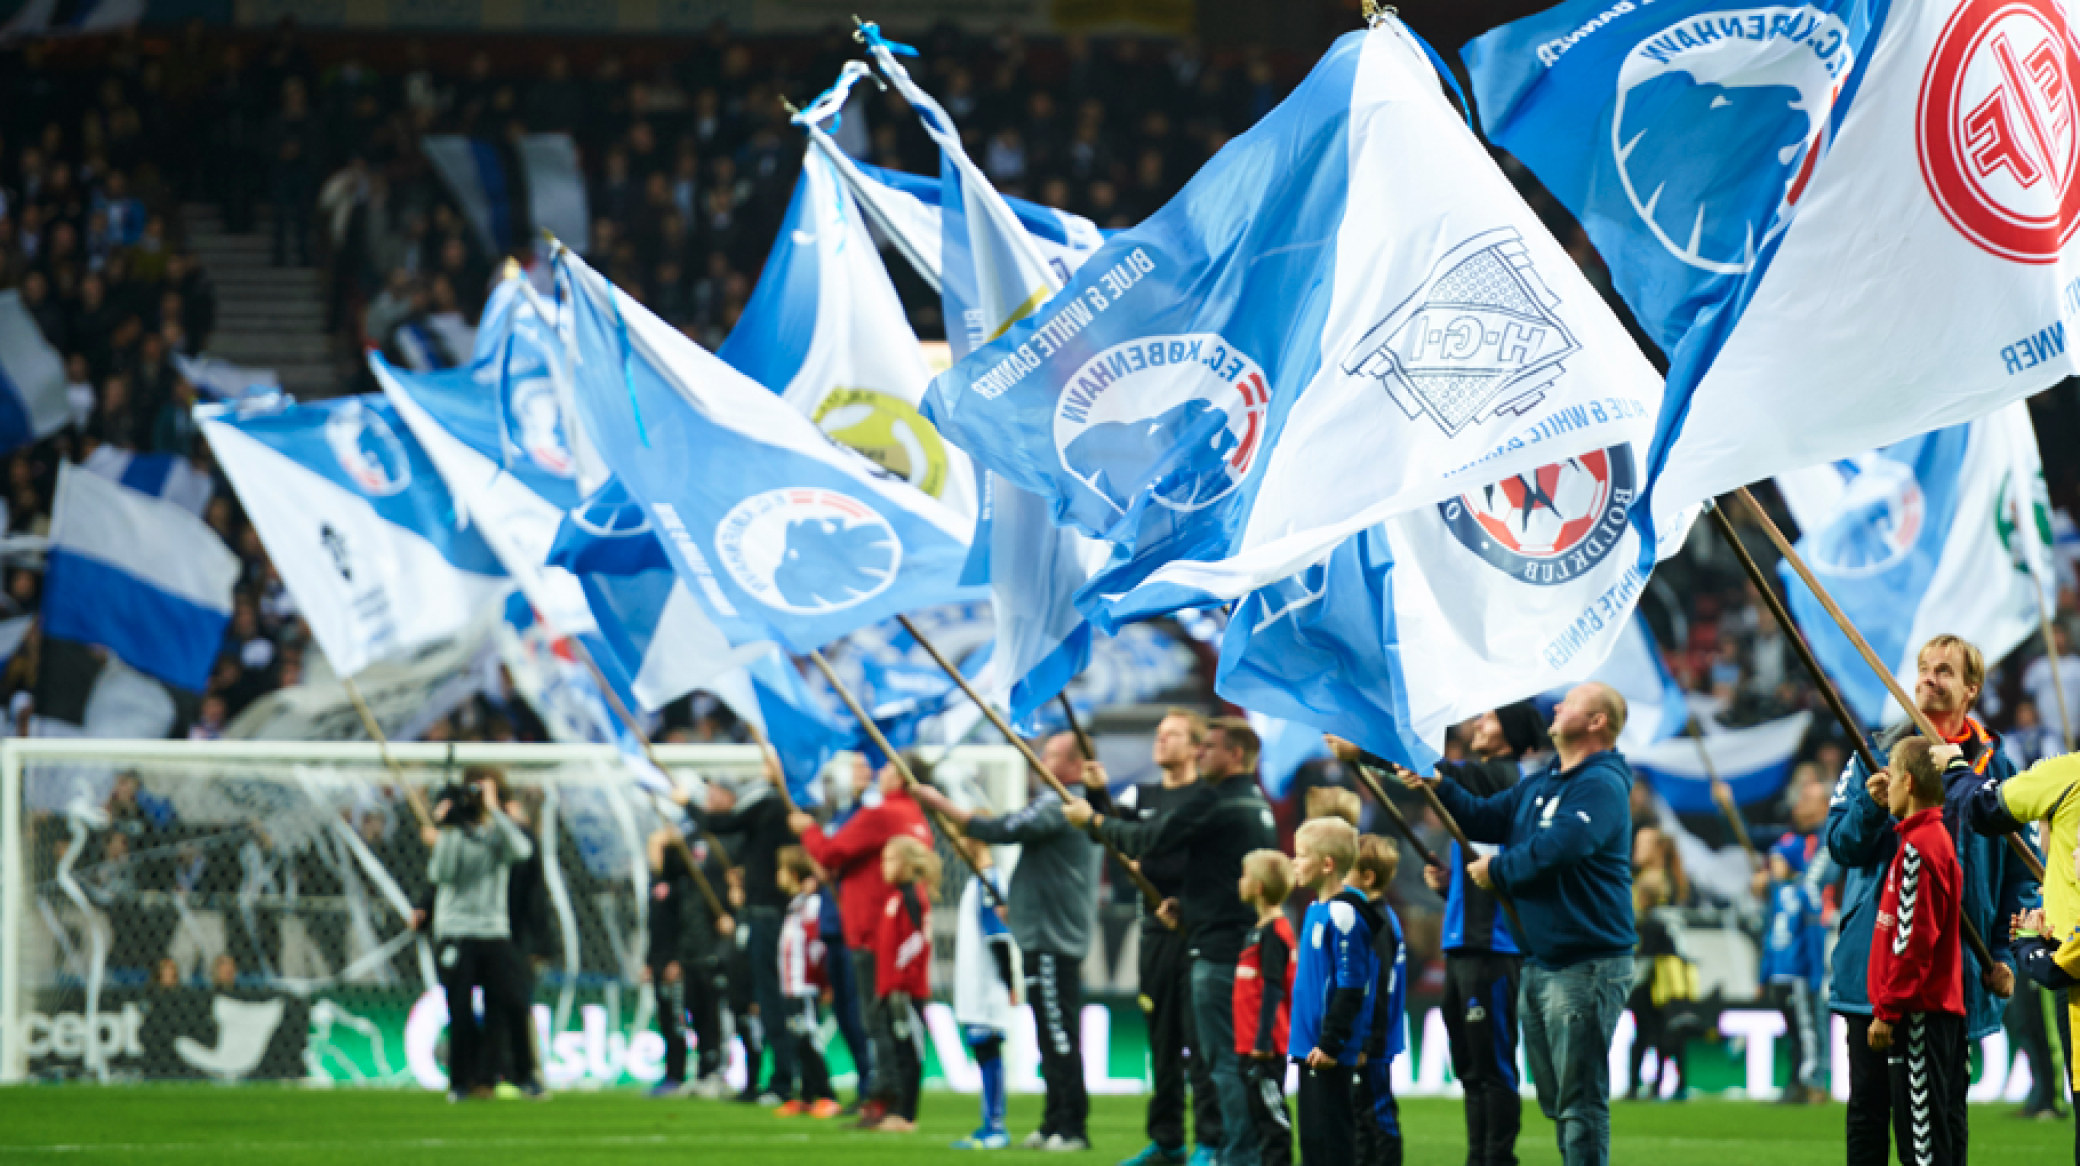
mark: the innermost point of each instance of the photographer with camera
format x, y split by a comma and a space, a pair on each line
472, 931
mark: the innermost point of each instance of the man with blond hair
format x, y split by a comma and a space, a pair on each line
1860, 836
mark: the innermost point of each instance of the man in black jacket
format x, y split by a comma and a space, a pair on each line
1214, 831
760, 820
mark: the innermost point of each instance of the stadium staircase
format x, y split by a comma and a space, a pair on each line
268, 317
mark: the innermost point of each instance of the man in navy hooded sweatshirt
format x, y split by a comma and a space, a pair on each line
1566, 838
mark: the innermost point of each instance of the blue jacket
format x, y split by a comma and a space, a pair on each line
1995, 883
1567, 857
1794, 946
1335, 983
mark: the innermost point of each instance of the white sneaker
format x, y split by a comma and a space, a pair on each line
1057, 1144
1034, 1141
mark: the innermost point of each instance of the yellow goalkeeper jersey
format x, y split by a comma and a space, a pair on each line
2049, 791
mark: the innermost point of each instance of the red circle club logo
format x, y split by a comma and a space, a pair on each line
1998, 132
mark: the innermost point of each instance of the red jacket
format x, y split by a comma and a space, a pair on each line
1915, 962
903, 946
853, 857
1264, 990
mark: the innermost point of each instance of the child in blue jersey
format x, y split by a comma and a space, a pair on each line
1794, 963
1335, 987
1379, 1116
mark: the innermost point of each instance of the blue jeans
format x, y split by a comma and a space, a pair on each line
1213, 1036
1569, 1015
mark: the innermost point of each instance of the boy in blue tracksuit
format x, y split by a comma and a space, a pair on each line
1794, 962
1379, 1115
1995, 885
1335, 989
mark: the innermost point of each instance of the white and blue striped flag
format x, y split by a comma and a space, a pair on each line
32, 379
481, 177
161, 475
359, 524
139, 576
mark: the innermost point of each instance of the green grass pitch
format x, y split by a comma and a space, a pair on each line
174, 1125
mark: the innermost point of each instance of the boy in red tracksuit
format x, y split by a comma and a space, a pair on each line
1264, 1003
903, 970
1917, 998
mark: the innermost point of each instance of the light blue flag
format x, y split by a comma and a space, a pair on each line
138, 576
782, 534
547, 671
1310, 338
1287, 745
1946, 532
359, 524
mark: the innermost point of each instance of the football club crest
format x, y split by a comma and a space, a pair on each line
1883, 512
1997, 129
1181, 417
2018, 502
534, 425
1481, 336
889, 432
368, 450
1549, 525
808, 551
1752, 86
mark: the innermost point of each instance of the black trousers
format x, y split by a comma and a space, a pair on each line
772, 1003
1328, 1117
1265, 1082
897, 1015
1166, 998
805, 1029
1930, 1069
706, 992
1054, 988
670, 988
1875, 1100
465, 966
1480, 1018
1379, 1115
2024, 1018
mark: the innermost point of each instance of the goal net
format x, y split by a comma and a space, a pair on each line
235, 911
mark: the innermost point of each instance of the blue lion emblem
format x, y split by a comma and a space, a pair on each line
830, 563
1755, 131
1194, 436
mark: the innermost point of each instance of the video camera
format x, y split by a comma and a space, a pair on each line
465, 804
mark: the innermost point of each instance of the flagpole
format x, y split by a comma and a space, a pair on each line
1394, 815
874, 734
412, 796
1149, 894
723, 920
1722, 794
1870, 657
1084, 743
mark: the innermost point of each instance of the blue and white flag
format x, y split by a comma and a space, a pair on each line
139, 576
500, 435
1947, 532
557, 685
826, 331
905, 208
478, 173
1312, 337
1287, 745
359, 524
221, 380
770, 693
783, 534
1755, 763
161, 475
32, 379
86, 17
1848, 222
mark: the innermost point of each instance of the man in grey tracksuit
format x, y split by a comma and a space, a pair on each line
472, 934
1052, 904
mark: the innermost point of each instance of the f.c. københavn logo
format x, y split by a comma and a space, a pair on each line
1180, 417
808, 551
1480, 336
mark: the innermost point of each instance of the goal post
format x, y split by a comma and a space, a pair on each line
238, 910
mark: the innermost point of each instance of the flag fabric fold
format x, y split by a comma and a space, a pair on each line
32, 378
1309, 339
139, 576
359, 524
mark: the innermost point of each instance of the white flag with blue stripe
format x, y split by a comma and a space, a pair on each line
826, 331
783, 534
1754, 762
1929, 535
1847, 222
32, 378
161, 475
1312, 337
139, 576
359, 524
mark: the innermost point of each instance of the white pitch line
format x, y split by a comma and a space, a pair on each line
400, 1144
